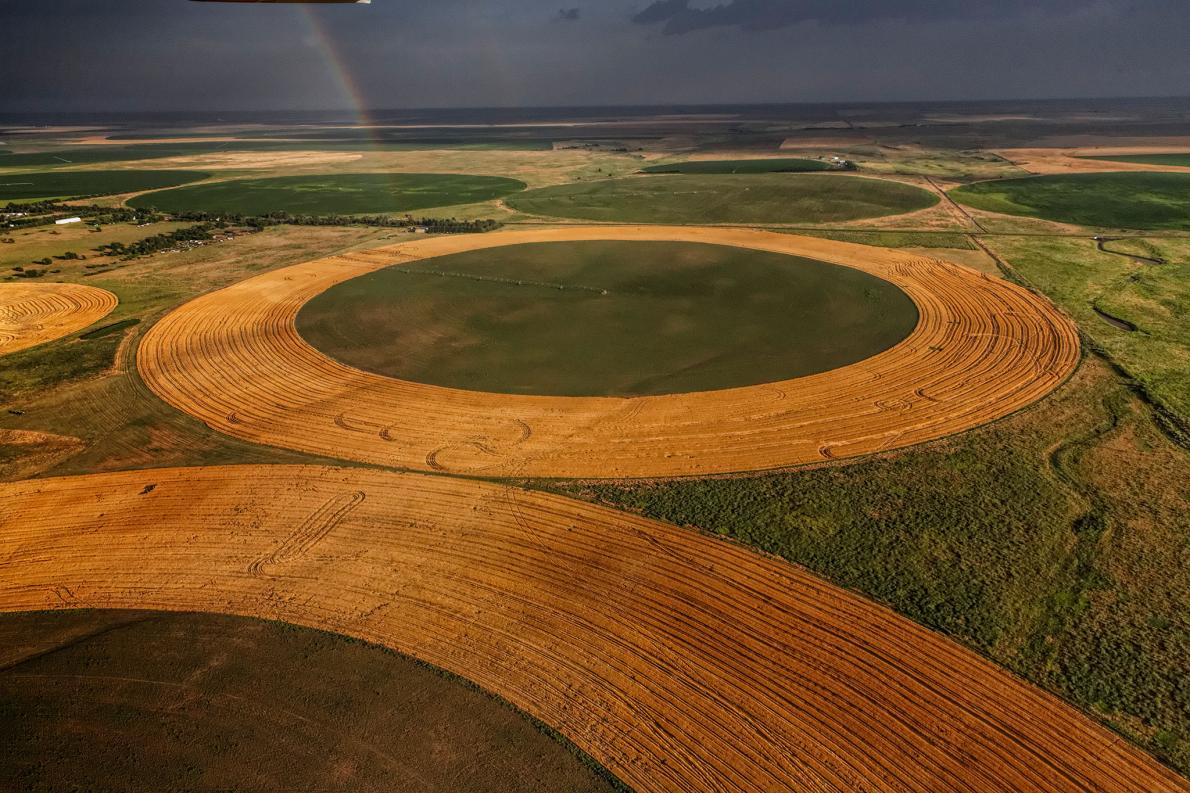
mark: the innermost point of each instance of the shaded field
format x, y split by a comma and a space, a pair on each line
744, 198
65, 184
332, 194
1155, 299
982, 350
1181, 160
675, 660
1053, 542
607, 319
1100, 200
165, 701
767, 165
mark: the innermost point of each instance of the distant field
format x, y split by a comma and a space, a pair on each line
333, 193
1099, 200
767, 165
53, 184
1182, 160
741, 198
676, 317
198, 702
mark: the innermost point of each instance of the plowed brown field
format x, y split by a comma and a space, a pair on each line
983, 349
678, 661
1059, 161
32, 314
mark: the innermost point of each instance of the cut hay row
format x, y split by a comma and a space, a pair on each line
32, 314
678, 661
983, 349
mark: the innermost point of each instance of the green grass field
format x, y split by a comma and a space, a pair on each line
1099, 200
52, 184
1153, 298
608, 318
175, 702
768, 165
1181, 160
750, 198
345, 194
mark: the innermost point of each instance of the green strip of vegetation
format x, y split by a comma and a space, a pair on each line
767, 165
48, 184
1181, 160
346, 194
108, 330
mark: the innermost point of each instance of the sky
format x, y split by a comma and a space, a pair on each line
177, 55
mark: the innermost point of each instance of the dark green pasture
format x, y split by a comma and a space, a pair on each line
1181, 160
65, 184
607, 318
344, 194
726, 198
767, 165
1100, 200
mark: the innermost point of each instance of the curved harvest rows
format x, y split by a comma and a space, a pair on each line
983, 349
678, 661
32, 314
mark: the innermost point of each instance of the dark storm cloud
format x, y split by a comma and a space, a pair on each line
89, 55
677, 16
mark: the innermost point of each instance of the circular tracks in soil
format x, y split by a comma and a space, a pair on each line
982, 349
33, 314
677, 660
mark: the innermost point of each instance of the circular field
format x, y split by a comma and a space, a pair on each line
678, 661
748, 198
982, 349
20, 186
1132, 200
762, 165
342, 194
189, 702
608, 319
33, 314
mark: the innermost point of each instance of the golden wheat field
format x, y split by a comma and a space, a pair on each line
678, 661
982, 349
33, 314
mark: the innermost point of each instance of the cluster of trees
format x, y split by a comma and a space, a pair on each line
430, 224
45, 213
203, 232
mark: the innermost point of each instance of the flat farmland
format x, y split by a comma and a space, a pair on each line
209, 702
21, 185
673, 659
1147, 201
741, 198
760, 165
33, 314
332, 194
608, 319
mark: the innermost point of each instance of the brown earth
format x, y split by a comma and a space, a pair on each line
32, 314
982, 350
1058, 161
676, 660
